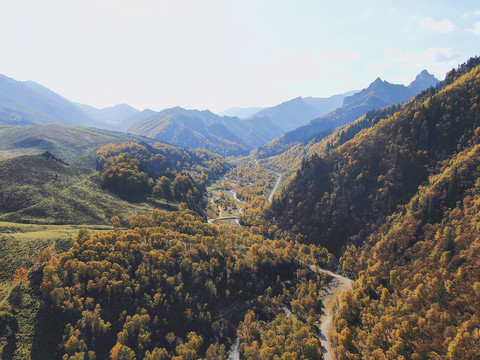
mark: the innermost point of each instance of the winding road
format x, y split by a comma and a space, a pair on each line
333, 293
279, 178
333, 290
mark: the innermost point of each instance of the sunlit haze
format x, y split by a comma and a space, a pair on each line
219, 54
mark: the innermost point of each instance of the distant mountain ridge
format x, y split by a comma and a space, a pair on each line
204, 129
377, 95
118, 117
241, 113
298, 111
28, 103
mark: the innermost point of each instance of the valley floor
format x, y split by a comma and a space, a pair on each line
330, 294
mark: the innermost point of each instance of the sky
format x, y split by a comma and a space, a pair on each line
217, 54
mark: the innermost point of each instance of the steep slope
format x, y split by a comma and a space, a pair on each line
31, 103
422, 81
378, 95
353, 187
290, 161
182, 130
419, 274
119, 117
203, 129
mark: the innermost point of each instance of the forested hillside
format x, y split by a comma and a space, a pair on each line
353, 187
290, 161
135, 171
417, 296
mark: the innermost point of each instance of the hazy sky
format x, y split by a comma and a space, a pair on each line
216, 54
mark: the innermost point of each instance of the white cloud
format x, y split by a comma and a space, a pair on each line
475, 29
475, 13
442, 26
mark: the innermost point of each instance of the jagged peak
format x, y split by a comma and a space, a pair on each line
424, 74
423, 80
378, 83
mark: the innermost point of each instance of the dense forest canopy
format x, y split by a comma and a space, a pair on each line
164, 288
136, 171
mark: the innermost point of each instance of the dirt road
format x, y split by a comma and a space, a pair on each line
279, 178
333, 292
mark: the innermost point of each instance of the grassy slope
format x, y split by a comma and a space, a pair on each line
36, 189
75, 145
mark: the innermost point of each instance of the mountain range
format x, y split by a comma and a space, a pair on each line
369, 243
292, 113
377, 95
247, 130
204, 129
297, 112
118, 117
29, 103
